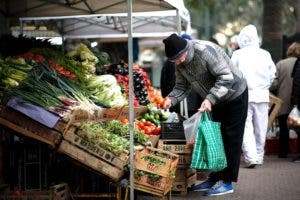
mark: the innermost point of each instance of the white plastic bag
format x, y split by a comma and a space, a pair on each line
294, 119
191, 127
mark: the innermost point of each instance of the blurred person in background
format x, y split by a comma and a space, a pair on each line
259, 70
296, 89
233, 44
282, 88
205, 67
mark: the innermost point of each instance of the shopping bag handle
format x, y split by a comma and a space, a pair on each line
206, 116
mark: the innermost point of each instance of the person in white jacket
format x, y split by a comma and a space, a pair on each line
259, 70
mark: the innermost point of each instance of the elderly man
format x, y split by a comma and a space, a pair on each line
205, 67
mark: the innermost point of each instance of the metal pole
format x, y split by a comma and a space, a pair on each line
21, 27
183, 104
178, 22
131, 108
63, 45
207, 23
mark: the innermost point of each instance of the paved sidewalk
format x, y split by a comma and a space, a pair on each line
276, 179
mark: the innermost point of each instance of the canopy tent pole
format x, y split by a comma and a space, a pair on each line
183, 104
21, 27
131, 108
62, 33
178, 21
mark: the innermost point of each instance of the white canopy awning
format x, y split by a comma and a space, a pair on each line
144, 24
38, 8
105, 19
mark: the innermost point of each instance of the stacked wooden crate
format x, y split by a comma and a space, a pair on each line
93, 156
25, 126
185, 176
154, 171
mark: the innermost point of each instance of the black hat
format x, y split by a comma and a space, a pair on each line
175, 46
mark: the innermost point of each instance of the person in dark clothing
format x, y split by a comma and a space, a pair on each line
167, 82
205, 67
296, 84
282, 88
168, 77
296, 93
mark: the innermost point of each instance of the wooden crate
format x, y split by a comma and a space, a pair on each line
274, 107
33, 195
180, 175
174, 146
60, 191
90, 160
62, 126
164, 184
56, 192
183, 180
28, 127
191, 180
184, 160
170, 160
180, 186
117, 161
103, 114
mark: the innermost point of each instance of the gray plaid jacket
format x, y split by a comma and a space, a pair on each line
208, 70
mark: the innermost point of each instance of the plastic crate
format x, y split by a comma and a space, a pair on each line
172, 131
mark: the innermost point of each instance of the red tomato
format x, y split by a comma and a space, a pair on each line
147, 130
147, 123
141, 126
156, 131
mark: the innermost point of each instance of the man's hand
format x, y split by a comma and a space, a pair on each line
205, 106
167, 103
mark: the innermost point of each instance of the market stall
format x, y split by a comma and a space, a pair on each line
70, 137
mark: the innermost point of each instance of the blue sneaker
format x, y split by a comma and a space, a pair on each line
204, 186
220, 188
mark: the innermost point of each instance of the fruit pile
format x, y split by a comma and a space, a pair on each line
150, 122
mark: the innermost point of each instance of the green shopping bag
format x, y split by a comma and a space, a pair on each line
208, 150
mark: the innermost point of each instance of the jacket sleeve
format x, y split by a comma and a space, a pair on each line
181, 88
219, 67
296, 81
272, 70
274, 85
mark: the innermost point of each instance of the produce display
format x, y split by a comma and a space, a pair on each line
105, 91
83, 80
83, 89
150, 122
86, 57
111, 135
140, 81
12, 72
